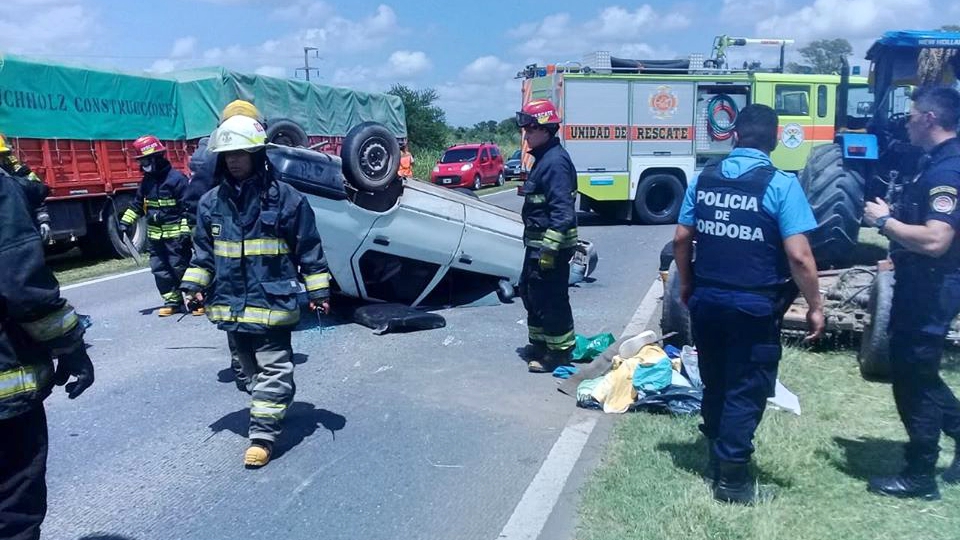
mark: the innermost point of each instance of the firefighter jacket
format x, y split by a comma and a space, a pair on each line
33, 186
203, 164
549, 212
36, 324
161, 198
254, 243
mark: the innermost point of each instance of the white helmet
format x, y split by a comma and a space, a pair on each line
238, 133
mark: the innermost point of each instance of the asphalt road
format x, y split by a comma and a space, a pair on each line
428, 435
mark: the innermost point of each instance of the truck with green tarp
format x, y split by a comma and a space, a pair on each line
74, 126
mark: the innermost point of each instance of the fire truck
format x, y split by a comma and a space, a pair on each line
639, 130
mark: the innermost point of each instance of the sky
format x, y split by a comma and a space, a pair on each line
469, 52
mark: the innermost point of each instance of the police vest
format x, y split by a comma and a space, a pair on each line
738, 242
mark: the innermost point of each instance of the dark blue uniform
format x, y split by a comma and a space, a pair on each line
926, 298
742, 209
550, 224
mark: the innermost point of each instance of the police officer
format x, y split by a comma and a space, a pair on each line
36, 325
161, 196
749, 220
550, 236
926, 295
33, 186
256, 238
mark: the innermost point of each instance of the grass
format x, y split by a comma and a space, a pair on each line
72, 267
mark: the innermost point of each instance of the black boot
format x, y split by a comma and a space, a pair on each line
952, 474
550, 361
710, 473
906, 485
735, 485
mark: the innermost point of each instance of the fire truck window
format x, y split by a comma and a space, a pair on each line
792, 100
822, 101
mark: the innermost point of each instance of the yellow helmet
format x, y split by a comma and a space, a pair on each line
4, 147
240, 107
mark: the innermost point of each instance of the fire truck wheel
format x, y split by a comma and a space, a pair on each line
675, 317
286, 132
371, 156
658, 199
874, 356
836, 197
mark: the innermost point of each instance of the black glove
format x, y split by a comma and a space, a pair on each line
77, 364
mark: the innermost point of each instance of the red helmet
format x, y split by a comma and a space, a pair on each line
148, 145
538, 112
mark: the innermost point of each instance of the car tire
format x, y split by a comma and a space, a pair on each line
874, 354
371, 156
675, 317
658, 199
500, 179
477, 182
286, 133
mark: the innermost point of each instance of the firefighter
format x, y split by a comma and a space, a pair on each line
32, 184
36, 326
203, 164
161, 197
749, 220
550, 236
926, 294
255, 240
406, 163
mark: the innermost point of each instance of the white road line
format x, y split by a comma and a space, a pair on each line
512, 191
101, 280
534, 508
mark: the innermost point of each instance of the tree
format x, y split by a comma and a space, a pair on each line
426, 123
822, 56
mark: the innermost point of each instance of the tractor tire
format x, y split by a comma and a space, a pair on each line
836, 197
658, 199
675, 317
371, 156
286, 132
874, 354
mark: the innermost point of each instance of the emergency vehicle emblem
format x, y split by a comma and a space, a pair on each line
215, 229
943, 204
663, 102
792, 135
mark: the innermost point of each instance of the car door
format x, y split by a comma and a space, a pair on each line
484, 160
409, 249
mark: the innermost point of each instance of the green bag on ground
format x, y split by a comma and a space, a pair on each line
588, 348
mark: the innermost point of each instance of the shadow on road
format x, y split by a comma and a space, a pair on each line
302, 421
105, 537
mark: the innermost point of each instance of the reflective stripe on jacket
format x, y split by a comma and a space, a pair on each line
254, 247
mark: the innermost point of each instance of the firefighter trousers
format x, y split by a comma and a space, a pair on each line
243, 382
169, 259
267, 359
23, 475
547, 301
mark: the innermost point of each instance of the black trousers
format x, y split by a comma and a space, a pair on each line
739, 355
169, 260
547, 301
23, 475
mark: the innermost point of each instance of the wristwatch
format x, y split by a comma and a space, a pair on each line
881, 221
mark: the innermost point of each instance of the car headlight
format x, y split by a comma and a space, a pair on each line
436, 168
467, 167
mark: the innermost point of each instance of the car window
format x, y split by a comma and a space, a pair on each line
494, 152
515, 155
459, 155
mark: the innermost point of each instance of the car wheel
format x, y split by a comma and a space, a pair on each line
477, 184
500, 179
371, 156
286, 132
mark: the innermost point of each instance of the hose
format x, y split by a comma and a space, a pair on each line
721, 103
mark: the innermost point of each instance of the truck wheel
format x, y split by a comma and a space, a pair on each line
675, 316
836, 197
874, 355
658, 200
371, 156
286, 132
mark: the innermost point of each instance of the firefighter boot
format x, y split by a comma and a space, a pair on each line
550, 361
952, 474
199, 311
258, 454
733, 484
168, 310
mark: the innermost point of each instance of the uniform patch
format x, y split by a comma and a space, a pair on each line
949, 190
943, 204
215, 229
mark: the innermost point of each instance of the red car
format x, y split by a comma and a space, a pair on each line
469, 165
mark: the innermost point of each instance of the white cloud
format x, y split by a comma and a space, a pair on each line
485, 69
272, 71
408, 63
467, 104
162, 66
303, 11
47, 26
183, 47
404, 66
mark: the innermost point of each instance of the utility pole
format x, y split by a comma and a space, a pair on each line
306, 69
